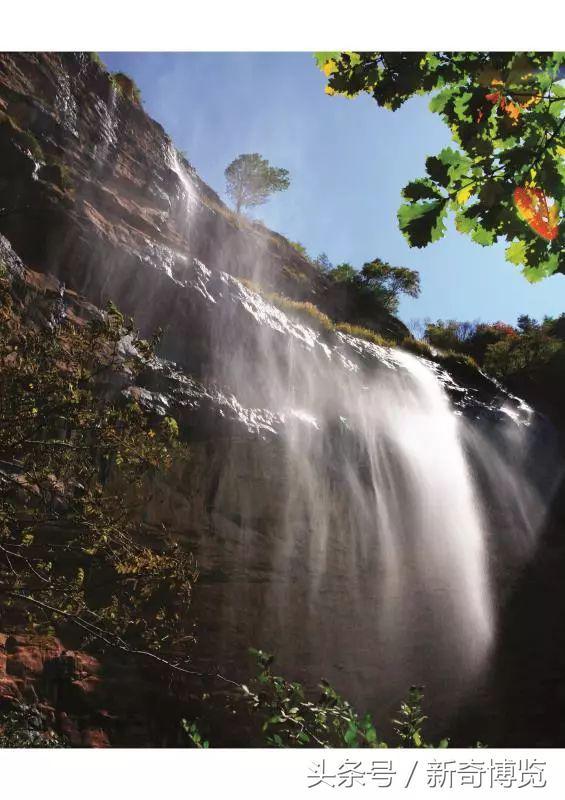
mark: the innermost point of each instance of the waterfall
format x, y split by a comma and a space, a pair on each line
362, 541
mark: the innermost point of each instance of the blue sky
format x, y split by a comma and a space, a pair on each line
348, 161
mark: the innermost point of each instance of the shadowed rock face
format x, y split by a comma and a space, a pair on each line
357, 510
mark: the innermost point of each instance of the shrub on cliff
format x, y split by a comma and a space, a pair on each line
471, 338
530, 352
528, 357
75, 460
376, 286
126, 86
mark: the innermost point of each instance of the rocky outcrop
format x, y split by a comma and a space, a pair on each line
89, 700
61, 684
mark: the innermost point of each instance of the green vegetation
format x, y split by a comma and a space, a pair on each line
56, 172
194, 735
502, 349
300, 249
31, 143
303, 310
250, 180
362, 299
528, 357
276, 712
417, 347
506, 179
376, 286
320, 262
312, 315
25, 138
472, 339
126, 86
291, 719
97, 60
364, 333
75, 461
26, 726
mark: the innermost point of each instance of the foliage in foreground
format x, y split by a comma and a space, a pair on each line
76, 459
506, 112
288, 717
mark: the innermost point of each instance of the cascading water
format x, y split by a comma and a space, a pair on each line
357, 534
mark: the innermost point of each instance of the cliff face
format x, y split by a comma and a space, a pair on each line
116, 211
293, 431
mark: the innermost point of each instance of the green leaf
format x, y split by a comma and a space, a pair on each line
371, 735
461, 107
463, 223
440, 100
492, 193
422, 223
322, 58
482, 236
498, 143
457, 163
448, 166
421, 189
350, 735
437, 171
544, 269
516, 252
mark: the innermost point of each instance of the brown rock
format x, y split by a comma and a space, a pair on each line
9, 689
95, 737
69, 728
24, 661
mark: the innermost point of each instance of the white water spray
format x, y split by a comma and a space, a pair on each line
358, 544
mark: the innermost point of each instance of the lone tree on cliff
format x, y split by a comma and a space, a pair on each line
250, 179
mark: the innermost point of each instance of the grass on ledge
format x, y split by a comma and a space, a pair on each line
303, 310
418, 347
311, 314
364, 333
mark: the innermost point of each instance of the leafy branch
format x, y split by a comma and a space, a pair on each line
508, 148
